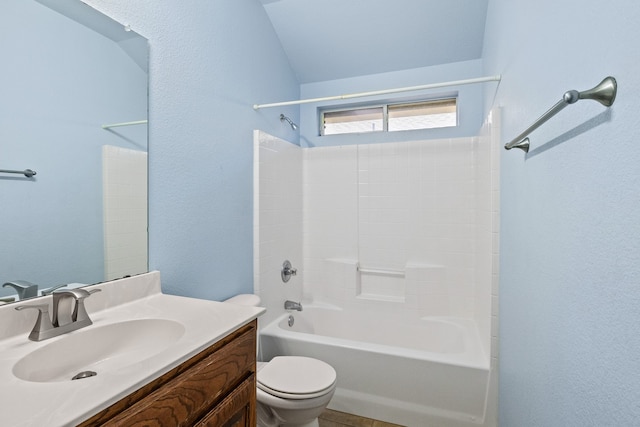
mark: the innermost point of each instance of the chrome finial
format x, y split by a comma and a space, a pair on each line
604, 92
523, 145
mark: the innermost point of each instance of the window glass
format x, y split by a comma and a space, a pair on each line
391, 117
353, 121
423, 115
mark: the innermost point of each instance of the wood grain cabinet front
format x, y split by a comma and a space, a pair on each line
236, 410
215, 388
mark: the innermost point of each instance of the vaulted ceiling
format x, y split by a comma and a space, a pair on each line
334, 39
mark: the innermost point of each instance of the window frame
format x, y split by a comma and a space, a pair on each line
385, 114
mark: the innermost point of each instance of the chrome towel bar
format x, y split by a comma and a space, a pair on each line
604, 93
27, 172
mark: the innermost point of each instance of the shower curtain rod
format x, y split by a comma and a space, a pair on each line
381, 92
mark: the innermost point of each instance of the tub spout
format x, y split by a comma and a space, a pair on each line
292, 305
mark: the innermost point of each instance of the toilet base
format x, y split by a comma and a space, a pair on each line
313, 423
279, 417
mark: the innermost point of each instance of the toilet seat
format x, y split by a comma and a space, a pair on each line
296, 377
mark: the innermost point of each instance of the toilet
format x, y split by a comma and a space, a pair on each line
292, 391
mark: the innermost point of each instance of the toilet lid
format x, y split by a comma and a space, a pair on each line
296, 377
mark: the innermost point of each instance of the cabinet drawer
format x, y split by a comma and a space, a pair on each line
236, 410
184, 399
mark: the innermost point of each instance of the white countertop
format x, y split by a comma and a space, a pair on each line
62, 403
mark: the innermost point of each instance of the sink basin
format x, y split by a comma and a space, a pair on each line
98, 350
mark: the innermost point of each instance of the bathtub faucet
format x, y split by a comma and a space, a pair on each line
292, 305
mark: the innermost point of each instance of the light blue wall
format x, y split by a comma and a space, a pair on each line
210, 62
59, 82
470, 111
570, 245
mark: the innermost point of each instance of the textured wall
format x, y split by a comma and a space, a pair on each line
210, 61
569, 271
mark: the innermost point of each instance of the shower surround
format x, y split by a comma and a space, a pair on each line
405, 231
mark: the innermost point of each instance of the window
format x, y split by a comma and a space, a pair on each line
390, 117
353, 121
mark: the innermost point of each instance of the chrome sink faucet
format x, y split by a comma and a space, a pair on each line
292, 305
47, 327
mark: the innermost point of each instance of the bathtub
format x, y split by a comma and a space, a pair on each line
421, 372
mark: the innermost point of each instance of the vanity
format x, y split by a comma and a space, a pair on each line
156, 359
214, 388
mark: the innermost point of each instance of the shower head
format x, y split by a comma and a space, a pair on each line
288, 120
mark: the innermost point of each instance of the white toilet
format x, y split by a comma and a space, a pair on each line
292, 390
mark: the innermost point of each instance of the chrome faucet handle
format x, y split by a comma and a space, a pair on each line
287, 271
23, 288
43, 322
80, 312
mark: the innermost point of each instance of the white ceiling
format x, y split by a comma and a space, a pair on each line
334, 39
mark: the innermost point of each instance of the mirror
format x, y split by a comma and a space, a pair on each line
82, 218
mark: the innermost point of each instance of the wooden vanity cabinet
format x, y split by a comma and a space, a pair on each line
215, 388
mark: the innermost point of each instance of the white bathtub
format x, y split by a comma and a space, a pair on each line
425, 372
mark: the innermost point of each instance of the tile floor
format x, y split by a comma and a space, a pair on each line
331, 418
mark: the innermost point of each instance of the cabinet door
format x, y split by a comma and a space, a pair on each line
238, 409
191, 394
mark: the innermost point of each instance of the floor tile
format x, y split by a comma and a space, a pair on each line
330, 418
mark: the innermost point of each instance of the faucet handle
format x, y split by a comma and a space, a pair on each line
80, 311
43, 322
287, 271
